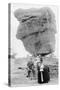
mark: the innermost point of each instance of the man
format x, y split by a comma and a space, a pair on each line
43, 72
30, 68
40, 67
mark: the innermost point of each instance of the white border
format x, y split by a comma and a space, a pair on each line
4, 43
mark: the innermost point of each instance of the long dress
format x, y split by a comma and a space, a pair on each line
43, 76
46, 74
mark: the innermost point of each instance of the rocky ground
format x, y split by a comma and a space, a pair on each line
18, 76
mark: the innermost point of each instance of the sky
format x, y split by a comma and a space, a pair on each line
16, 44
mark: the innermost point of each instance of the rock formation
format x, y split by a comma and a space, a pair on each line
36, 29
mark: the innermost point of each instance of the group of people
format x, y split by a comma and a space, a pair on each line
43, 72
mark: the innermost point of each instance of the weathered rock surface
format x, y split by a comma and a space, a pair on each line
36, 29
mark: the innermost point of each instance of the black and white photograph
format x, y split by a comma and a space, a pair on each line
33, 45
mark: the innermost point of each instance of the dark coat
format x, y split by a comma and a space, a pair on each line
45, 73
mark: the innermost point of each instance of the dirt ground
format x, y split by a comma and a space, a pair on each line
18, 76
19, 79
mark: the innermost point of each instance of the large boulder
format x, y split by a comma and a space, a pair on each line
36, 29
